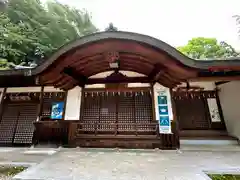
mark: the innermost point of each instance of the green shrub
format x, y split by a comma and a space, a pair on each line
11, 171
224, 177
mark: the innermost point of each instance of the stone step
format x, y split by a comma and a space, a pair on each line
46, 145
202, 133
200, 142
210, 147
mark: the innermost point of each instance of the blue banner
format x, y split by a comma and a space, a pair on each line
57, 110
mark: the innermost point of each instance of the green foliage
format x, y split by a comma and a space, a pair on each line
225, 177
207, 48
30, 30
4, 64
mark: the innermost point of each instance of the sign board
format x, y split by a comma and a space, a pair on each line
163, 110
213, 109
57, 110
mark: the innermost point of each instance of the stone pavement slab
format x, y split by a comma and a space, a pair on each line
113, 164
24, 155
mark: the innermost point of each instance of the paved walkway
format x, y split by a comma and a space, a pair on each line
106, 164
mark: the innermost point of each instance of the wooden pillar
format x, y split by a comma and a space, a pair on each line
175, 127
153, 103
174, 108
82, 104
2, 97
65, 104
40, 104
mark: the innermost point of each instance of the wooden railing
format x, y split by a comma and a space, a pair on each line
66, 132
168, 141
117, 128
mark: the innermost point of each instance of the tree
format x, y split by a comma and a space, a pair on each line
207, 48
31, 31
14, 40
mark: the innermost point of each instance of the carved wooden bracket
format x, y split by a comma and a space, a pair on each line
81, 79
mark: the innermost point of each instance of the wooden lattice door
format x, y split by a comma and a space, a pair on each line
191, 110
126, 111
16, 125
108, 110
143, 106
123, 107
8, 123
90, 110
143, 109
25, 128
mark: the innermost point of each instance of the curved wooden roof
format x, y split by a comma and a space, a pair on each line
143, 54
87, 56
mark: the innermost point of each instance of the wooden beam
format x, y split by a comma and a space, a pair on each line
68, 85
122, 80
172, 78
166, 83
81, 79
156, 72
221, 82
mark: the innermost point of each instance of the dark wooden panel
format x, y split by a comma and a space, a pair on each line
192, 110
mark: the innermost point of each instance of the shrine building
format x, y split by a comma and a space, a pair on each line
120, 89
